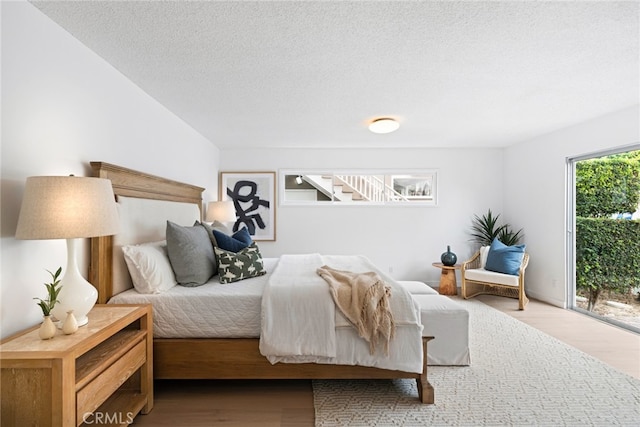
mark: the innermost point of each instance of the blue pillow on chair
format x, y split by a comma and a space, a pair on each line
235, 243
504, 259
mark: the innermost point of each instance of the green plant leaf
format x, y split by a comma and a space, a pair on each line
485, 228
53, 290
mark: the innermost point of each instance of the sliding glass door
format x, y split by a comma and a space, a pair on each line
603, 224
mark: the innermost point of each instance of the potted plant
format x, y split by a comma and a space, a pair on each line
485, 228
48, 329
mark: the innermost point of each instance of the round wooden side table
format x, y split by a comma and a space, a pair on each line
448, 283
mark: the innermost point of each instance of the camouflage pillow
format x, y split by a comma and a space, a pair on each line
236, 266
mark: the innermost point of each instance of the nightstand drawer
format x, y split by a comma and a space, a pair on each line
101, 387
102, 372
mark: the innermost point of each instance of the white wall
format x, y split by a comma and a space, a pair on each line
62, 107
403, 240
535, 186
526, 183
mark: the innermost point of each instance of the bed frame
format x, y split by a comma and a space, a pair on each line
214, 358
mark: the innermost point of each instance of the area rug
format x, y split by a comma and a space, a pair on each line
519, 376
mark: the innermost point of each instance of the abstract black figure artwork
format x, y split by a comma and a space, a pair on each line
253, 196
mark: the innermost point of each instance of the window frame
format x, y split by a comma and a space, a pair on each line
389, 174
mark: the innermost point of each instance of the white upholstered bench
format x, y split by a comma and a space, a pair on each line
418, 288
447, 321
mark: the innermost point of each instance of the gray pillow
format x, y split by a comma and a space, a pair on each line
191, 254
209, 231
217, 226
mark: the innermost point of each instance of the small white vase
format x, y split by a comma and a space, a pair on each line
70, 324
47, 329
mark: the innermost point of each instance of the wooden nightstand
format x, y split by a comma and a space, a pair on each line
102, 374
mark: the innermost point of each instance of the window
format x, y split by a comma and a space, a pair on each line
358, 188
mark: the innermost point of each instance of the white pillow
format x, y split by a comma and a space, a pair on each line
149, 267
484, 252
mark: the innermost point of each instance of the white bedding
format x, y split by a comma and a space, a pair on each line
234, 310
405, 351
213, 310
298, 314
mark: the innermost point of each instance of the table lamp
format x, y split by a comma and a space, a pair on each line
71, 208
221, 211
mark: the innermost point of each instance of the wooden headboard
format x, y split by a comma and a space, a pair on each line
131, 183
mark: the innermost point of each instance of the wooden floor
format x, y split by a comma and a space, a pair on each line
290, 403
615, 346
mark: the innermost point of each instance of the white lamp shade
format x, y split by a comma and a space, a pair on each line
67, 207
221, 211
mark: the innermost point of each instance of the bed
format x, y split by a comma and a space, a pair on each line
187, 356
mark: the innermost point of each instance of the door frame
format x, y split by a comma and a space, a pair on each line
570, 213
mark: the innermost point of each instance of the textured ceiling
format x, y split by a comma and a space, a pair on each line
311, 74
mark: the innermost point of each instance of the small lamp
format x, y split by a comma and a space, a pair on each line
221, 211
71, 208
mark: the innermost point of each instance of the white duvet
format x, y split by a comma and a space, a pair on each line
300, 323
297, 317
235, 310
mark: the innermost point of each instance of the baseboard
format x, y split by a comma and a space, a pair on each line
545, 298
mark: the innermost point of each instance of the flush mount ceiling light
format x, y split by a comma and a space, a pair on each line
383, 125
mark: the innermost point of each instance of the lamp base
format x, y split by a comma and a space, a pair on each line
75, 292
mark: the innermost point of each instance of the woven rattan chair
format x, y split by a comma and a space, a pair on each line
476, 280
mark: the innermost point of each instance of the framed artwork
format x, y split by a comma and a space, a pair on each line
415, 187
254, 199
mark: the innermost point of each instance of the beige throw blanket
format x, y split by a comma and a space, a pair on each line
363, 298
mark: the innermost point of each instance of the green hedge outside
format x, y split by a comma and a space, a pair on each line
607, 186
607, 255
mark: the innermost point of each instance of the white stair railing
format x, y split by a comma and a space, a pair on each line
371, 188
